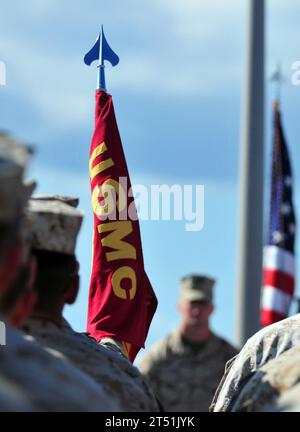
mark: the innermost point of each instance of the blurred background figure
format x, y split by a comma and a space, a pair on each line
185, 367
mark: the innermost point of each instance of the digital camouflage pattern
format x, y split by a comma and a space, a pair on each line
35, 380
54, 223
32, 379
269, 382
121, 380
289, 401
268, 343
196, 288
184, 379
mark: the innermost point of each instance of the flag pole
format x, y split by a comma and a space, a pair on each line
251, 180
278, 79
121, 302
100, 52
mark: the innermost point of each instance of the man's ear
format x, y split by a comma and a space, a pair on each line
23, 308
212, 308
10, 265
72, 291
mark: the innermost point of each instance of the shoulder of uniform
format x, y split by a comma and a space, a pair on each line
225, 345
280, 328
156, 353
273, 379
286, 365
162, 343
272, 339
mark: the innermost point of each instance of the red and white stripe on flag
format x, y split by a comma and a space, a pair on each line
278, 284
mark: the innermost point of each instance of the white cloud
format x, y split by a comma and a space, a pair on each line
176, 48
170, 47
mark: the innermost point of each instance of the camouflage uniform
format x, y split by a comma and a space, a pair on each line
55, 223
40, 381
288, 402
268, 343
12, 397
30, 378
182, 377
274, 379
120, 379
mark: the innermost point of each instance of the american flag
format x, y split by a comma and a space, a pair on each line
279, 259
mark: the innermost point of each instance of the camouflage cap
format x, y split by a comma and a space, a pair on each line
54, 222
14, 157
14, 150
197, 287
72, 201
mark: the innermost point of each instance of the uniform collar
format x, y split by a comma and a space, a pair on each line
42, 323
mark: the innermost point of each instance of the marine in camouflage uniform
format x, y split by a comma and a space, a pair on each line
30, 378
184, 368
267, 344
270, 383
55, 223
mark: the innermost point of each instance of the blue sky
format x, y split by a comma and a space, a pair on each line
177, 93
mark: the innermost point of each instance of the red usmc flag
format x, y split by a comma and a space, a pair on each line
121, 299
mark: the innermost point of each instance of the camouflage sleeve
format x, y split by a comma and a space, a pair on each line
151, 400
287, 402
218, 391
270, 381
267, 344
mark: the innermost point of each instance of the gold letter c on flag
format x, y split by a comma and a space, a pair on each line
121, 273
